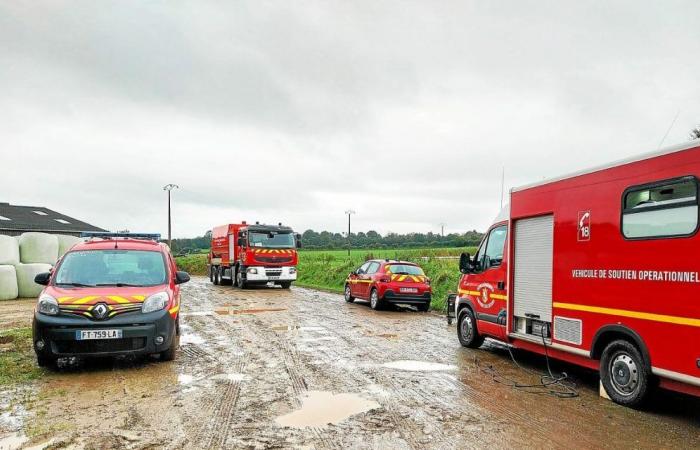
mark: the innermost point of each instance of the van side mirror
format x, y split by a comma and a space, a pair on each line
181, 277
465, 263
297, 237
42, 278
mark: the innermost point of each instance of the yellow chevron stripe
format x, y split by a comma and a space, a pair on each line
174, 309
63, 299
118, 299
89, 298
402, 277
139, 297
630, 314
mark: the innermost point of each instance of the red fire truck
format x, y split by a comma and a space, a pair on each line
246, 255
597, 268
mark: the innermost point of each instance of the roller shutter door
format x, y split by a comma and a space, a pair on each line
532, 286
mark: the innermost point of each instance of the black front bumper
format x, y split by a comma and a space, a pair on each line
392, 297
139, 332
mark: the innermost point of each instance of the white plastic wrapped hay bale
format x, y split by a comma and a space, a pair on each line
38, 248
8, 283
26, 286
65, 243
9, 250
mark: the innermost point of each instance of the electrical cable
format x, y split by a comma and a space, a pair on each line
556, 386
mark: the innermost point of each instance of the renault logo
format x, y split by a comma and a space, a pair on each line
99, 311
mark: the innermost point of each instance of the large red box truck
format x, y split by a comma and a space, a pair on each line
598, 268
253, 254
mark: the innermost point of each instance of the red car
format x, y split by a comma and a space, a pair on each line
389, 281
115, 294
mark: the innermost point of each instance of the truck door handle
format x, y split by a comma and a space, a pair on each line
501, 285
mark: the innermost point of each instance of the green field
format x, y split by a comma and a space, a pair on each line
327, 269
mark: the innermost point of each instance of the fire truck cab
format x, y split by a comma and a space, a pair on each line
598, 269
247, 255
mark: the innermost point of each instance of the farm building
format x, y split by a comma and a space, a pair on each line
15, 220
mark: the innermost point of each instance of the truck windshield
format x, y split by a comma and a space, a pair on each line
271, 240
404, 269
111, 268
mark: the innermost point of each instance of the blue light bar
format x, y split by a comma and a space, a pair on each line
108, 235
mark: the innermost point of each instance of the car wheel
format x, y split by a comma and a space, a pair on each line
216, 276
424, 308
348, 294
169, 354
240, 282
624, 374
374, 300
286, 284
467, 332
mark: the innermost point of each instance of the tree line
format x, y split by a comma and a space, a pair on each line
327, 240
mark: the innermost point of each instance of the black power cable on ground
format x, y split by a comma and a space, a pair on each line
556, 386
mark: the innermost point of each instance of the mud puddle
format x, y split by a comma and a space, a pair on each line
322, 408
296, 328
418, 366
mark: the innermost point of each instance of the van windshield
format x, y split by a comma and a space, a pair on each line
271, 240
111, 268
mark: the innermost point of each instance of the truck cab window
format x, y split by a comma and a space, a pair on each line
495, 246
664, 209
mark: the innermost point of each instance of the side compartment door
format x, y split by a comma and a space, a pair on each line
532, 267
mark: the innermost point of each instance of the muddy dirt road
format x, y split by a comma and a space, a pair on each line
302, 369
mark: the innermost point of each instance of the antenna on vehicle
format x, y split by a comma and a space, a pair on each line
669, 129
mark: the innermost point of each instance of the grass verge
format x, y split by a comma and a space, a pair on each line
17, 361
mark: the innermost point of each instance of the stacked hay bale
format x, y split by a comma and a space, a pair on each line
23, 257
9, 257
38, 252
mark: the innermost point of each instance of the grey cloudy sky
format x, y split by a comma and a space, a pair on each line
295, 111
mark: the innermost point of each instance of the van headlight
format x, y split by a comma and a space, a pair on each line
47, 305
155, 302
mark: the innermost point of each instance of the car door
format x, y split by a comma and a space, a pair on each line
486, 286
368, 279
355, 280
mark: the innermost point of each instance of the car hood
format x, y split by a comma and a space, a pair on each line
110, 295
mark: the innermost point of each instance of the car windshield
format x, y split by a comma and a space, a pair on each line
111, 268
271, 240
404, 269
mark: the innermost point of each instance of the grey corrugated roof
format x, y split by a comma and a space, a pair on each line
24, 218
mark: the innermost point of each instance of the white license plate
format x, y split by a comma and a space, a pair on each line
408, 290
84, 335
272, 277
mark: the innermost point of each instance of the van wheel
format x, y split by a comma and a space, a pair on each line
45, 361
217, 280
624, 374
169, 354
348, 294
467, 332
374, 300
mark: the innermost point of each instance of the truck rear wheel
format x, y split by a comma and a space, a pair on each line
211, 273
467, 332
216, 275
624, 374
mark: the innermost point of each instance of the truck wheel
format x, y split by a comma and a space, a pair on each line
216, 275
211, 273
624, 374
348, 294
286, 284
374, 301
466, 330
240, 282
169, 354
45, 361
